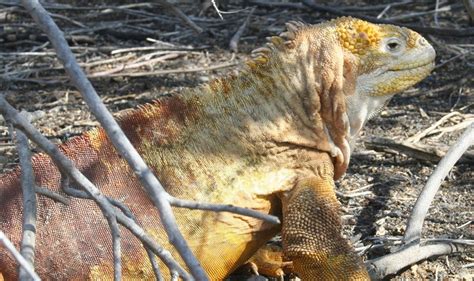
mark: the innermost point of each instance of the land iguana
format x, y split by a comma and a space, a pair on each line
273, 138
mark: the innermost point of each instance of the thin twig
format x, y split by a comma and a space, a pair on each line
181, 15
30, 71
151, 256
384, 144
425, 132
219, 12
19, 258
41, 54
67, 19
52, 195
116, 246
181, 203
455, 57
217, 9
384, 11
233, 45
418, 14
154, 48
415, 222
469, 5
133, 65
436, 10
354, 194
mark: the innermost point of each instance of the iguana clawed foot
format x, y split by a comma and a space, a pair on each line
269, 261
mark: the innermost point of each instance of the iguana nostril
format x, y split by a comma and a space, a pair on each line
422, 41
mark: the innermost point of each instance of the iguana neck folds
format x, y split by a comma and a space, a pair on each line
360, 108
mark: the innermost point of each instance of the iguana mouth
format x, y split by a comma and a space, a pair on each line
412, 66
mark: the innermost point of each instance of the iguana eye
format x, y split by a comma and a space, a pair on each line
394, 45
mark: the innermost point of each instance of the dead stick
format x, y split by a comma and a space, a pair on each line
425, 132
19, 258
234, 42
415, 222
181, 15
392, 263
28, 240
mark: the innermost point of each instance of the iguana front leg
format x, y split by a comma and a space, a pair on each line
311, 233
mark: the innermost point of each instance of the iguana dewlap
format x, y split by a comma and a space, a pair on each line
273, 138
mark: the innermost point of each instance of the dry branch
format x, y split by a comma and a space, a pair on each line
20, 259
52, 195
424, 133
234, 42
390, 264
28, 240
414, 250
165, 71
415, 222
181, 203
181, 15
469, 5
382, 144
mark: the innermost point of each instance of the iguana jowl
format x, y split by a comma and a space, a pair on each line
274, 139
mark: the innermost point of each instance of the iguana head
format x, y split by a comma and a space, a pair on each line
389, 58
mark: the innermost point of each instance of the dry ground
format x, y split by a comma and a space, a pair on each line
381, 185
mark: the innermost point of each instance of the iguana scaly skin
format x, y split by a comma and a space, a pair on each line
273, 138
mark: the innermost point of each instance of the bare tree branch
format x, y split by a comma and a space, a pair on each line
414, 249
21, 260
415, 222
66, 187
392, 263
469, 5
181, 15
234, 42
28, 240
116, 246
51, 194
181, 203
